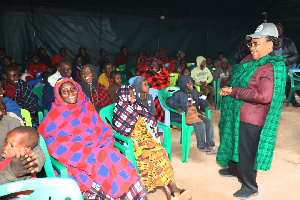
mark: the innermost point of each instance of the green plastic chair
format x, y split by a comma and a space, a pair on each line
173, 79
133, 71
26, 115
51, 163
186, 130
189, 64
44, 189
106, 114
38, 91
293, 76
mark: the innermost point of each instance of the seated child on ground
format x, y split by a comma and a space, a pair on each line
186, 100
21, 137
116, 78
141, 86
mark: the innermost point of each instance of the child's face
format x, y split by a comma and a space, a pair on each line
186, 72
26, 56
203, 64
224, 65
1, 91
35, 59
87, 75
108, 68
7, 61
63, 52
79, 61
208, 61
143, 61
221, 56
2, 110
155, 66
145, 86
12, 77
82, 51
182, 55
68, 92
189, 85
131, 96
43, 52
177, 56
117, 79
13, 143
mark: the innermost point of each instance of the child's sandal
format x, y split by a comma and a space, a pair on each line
184, 194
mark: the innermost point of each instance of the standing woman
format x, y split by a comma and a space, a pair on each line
92, 89
251, 111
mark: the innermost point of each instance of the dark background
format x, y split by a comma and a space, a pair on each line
199, 27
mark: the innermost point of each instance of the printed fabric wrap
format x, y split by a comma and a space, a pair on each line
27, 100
126, 114
78, 138
230, 114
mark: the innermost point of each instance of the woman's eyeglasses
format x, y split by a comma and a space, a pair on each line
252, 44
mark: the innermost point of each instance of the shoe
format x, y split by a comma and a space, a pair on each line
210, 150
184, 195
202, 149
296, 104
244, 194
225, 173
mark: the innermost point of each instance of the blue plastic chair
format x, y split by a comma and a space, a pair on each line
33, 83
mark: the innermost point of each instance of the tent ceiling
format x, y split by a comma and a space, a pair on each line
243, 10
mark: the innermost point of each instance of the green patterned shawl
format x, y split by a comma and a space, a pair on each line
230, 114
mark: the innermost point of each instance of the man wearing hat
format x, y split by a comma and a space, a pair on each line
251, 110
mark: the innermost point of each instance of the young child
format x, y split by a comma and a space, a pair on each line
24, 76
186, 100
21, 137
76, 68
186, 71
116, 78
203, 77
45, 76
142, 86
36, 66
26, 59
104, 78
20, 92
223, 73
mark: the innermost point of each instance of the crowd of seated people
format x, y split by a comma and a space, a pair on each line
75, 91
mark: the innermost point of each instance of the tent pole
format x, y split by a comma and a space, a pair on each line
33, 26
206, 42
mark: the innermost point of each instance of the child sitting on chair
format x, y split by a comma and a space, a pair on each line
116, 78
142, 86
186, 100
23, 138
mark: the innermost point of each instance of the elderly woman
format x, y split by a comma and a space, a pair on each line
130, 119
78, 138
92, 89
251, 111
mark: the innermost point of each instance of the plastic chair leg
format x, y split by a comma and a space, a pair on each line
289, 98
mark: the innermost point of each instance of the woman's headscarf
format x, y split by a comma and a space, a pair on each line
78, 138
126, 114
142, 69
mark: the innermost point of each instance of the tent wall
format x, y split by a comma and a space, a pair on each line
56, 28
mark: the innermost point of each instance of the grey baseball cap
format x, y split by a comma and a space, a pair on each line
263, 30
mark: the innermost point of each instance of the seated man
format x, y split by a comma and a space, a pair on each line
62, 55
64, 69
22, 164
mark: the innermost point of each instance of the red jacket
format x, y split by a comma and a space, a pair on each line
57, 58
257, 96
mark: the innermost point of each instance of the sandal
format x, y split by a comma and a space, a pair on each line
184, 194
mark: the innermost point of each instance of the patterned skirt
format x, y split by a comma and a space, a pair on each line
152, 159
136, 192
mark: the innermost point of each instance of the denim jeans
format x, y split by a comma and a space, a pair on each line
204, 128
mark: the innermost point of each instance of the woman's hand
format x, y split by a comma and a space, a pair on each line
225, 91
180, 110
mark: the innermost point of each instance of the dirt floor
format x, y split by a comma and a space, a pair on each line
200, 174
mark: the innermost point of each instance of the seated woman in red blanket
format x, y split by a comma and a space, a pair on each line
142, 66
78, 138
158, 78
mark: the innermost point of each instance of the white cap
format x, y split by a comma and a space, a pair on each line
263, 30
